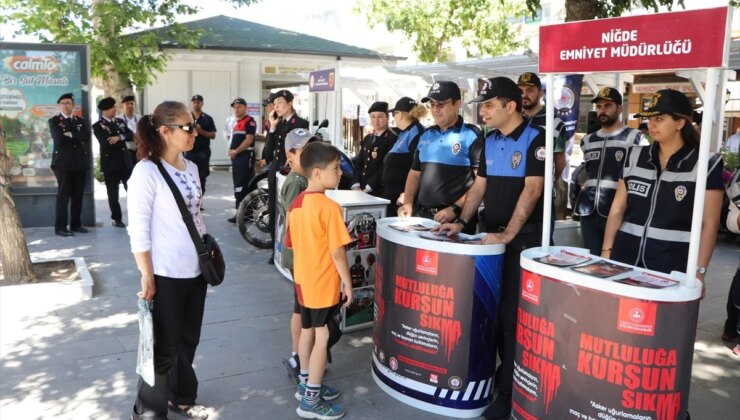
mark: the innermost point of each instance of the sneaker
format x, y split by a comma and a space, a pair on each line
231, 220
293, 372
321, 410
327, 393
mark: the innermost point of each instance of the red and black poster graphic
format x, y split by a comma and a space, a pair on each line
587, 354
423, 314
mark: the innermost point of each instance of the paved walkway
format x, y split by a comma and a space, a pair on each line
77, 361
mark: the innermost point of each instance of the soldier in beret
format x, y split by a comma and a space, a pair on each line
283, 120
368, 168
70, 163
115, 158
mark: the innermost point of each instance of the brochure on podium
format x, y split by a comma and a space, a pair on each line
409, 227
648, 280
460, 238
563, 259
602, 269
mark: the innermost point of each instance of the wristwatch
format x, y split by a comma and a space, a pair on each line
701, 270
457, 209
461, 221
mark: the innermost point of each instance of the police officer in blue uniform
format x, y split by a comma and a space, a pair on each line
115, 158
206, 132
604, 152
241, 151
283, 120
70, 162
510, 183
445, 162
649, 223
368, 168
397, 162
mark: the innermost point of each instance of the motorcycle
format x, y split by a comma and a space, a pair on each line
253, 216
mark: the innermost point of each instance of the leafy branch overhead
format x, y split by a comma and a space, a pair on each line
481, 27
117, 61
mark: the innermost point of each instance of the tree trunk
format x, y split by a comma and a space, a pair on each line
112, 84
13, 249
580, 10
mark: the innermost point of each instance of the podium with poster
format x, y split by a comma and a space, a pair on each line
596, 339
361, 212
436, 302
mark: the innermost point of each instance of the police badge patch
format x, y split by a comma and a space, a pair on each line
374, 153
456, 148
540, 153
516, 159
680, 193
619, 155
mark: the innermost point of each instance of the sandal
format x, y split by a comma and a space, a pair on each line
195, 411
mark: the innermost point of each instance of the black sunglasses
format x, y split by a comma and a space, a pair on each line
187, 127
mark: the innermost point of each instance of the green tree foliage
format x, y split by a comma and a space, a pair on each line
117, 62
592, 9
482, 27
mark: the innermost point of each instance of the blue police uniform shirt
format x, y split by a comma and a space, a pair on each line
398, 161
446, 161
505, 162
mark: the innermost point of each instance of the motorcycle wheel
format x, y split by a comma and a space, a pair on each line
253, 219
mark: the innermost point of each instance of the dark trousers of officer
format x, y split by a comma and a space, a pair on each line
510, 288
469, 228
71, 186
112, 181
242, 171
272, 201
177, 317
203, 161
732, 324
592, 230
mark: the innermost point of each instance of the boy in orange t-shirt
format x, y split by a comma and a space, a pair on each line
317, 234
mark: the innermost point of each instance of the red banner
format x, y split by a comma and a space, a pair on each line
675, 40
584, 354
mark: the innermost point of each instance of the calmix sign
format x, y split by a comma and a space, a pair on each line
677, 40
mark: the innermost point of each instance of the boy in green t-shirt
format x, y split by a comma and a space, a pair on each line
294, 184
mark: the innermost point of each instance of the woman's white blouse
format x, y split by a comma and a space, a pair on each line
155, 223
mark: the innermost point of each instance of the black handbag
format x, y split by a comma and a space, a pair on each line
210, 258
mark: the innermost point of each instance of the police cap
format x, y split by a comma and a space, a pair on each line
668, 101
529, 79
378, 106
442, 91
608, 94
498, 87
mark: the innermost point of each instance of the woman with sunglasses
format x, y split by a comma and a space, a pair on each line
397, 162
649, 223
167, 259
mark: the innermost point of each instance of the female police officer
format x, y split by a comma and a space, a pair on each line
406, 113
649, 223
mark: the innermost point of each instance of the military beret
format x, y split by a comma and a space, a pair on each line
66, 96
106, 103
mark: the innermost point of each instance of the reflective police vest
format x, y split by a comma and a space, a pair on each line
733, 188
604, 157
656, 227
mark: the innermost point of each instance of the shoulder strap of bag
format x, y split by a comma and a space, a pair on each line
187, 217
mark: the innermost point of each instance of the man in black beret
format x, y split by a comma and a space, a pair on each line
115, 159
205, 129
283, 120
373, 148
70, 163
